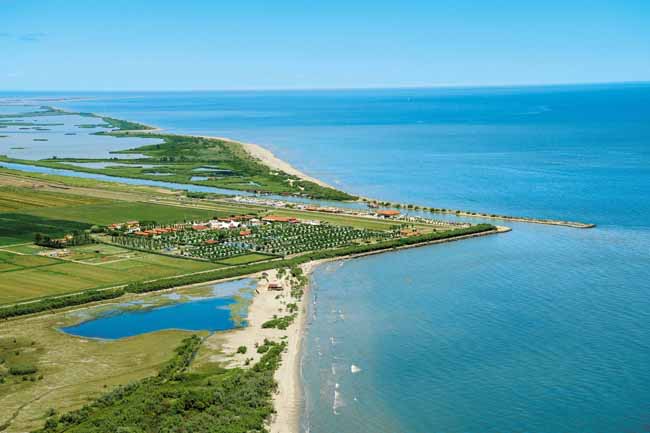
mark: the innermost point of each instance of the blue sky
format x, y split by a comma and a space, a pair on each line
193, 44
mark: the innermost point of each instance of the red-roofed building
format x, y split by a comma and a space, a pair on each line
387, 213
279, 219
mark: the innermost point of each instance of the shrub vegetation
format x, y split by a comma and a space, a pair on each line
222, 400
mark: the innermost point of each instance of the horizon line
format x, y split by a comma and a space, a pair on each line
405, 87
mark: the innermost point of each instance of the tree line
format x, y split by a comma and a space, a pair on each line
218, 274
76, 238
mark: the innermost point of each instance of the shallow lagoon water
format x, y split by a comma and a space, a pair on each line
171, 185
81, 145
101, 165
129, 181
210, 313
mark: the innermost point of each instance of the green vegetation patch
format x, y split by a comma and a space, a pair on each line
93, 125
280, 322
17, 198
246, 259
121, 211
21, 227
93, 266
18, 359
224, 400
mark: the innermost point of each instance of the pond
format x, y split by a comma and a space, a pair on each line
213, 170
101, 165
213, 313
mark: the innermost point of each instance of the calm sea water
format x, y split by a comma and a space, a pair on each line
543, 329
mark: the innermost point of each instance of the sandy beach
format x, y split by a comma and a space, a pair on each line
265, 304
261, 153
269, 159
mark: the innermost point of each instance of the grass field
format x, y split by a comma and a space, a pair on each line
15, 199
20, 227
26, 211
91, 266
73, 370
27, 248
120, 211
345, 220
245, 259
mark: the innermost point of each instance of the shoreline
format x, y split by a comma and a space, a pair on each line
289, 401
289, 398
223, 347
269, 159
256, 151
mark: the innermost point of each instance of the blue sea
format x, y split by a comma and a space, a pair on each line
543, 329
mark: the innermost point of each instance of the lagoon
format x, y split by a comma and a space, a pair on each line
83, 144
211, 313
127, 180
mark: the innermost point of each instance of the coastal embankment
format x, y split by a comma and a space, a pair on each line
469, 214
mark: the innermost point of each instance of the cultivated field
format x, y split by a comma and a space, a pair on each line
15, 199
23, 277
18, 228
119, 211
26, 211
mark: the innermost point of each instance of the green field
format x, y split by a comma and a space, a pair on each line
20, 227
14, 199
120, 211
27, 248
345, 220
91, 266
24, 212
246, 259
